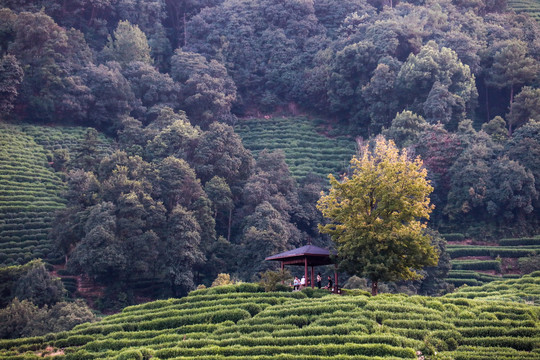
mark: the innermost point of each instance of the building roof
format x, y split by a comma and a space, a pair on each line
314, 255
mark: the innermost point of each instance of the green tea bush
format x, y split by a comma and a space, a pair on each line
453, 237
76, 340
525, 344
520, 241
233, 315
476, 265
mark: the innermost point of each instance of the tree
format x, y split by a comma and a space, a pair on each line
111, 95
375, 215
50, 57
220, 152
39, 287
11, 76
183, 241
437, 84
207, 90
154, 89
128, 44
406, 128
524, 147
526, 106
380, 95
512, 68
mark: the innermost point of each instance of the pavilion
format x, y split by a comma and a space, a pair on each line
308, 255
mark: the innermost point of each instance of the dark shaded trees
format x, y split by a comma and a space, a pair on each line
11, 76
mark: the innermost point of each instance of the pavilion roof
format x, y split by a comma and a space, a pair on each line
314, 254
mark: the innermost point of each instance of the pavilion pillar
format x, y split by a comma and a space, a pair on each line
336, 286
305, 270
312, 273
282, 269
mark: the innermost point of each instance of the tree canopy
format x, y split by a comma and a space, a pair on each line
377, 215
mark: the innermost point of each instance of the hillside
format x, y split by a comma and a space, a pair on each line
529, 7
306, 149
29, 194
30, 189
241, 322
480, 262
524, 289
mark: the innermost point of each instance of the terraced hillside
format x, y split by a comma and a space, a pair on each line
241, 322
481, 264
529, 7
525, 289
71, 139
29, 195
306, 150
30, 189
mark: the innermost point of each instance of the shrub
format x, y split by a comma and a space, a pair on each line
453, 237
476, 265
233, 315
222, 279
355, 292
520, 241
529, 264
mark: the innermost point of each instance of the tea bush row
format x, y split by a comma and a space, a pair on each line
476, 265
493, 251
317, 350
520, 241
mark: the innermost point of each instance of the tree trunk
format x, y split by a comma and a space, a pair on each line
185, 32
229, 227
374, 287
510, 115
487, 102
92, 15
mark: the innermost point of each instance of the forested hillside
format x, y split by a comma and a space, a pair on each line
163, 193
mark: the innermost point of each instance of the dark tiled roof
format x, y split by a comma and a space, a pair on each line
307, 250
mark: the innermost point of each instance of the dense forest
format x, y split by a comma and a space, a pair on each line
177, 197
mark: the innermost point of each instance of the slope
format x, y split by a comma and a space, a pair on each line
477, 263
529, 7
241, 322
29, 195
30, 189
306, 150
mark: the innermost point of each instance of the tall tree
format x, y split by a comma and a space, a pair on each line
127, 44
435, 82
512, 68
183, 253
11, 75
526, 106
208, 91
376, 216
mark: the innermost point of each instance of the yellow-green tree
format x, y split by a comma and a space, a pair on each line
377, 215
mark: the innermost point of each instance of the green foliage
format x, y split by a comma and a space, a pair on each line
529, 264
270, 280
453, 237
476, 265
260, 325
127, 44
366, 210
37, 286
11, 76
438, 81
23, 319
